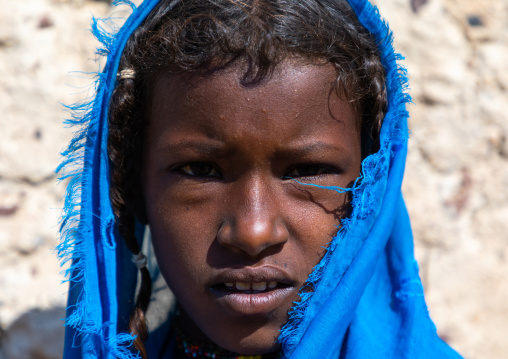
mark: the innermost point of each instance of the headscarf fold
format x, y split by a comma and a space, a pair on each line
368, 300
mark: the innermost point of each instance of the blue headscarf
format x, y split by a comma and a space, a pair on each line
368, 300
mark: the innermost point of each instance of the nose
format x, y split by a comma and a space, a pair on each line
253, 220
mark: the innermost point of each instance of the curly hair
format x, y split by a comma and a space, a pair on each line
200, 37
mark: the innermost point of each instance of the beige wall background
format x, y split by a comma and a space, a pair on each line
456, 183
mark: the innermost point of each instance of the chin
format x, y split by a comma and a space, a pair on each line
254, 346
246, 335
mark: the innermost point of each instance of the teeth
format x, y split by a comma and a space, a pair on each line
261, 286
255, 286
242, 286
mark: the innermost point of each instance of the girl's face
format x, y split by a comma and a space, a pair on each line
235, 229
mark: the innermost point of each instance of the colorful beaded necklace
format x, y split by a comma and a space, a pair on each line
194, 349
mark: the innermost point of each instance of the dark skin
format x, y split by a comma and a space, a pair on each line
235, 235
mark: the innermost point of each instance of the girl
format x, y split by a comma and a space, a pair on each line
262, 144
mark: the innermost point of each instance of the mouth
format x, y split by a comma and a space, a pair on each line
254, 291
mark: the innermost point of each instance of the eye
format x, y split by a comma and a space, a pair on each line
309, 170
198, 169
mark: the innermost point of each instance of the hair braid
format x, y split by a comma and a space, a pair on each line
123, 140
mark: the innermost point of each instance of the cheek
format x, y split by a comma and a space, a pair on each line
313, 221
321, 206
181, 235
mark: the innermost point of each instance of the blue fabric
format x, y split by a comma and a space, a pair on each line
368, 301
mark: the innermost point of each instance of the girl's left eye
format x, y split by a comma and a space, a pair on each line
198, 169
309, 170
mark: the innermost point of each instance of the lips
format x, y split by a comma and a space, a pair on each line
253, 290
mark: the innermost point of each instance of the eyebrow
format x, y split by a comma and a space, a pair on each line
312, 147
204, 147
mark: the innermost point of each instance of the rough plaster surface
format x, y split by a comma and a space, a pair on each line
456, 183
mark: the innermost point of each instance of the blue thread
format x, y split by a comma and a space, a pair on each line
331, 188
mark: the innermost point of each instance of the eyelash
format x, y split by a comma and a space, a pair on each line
309, 170
187, 170
315, 170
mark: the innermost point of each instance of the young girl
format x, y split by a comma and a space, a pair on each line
259, 146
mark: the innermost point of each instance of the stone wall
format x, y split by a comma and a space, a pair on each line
456, 183
41, 43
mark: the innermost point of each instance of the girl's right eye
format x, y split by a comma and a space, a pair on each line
198, 169
310, 170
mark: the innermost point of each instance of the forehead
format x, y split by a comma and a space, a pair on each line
296, 91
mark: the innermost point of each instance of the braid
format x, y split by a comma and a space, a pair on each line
124, 138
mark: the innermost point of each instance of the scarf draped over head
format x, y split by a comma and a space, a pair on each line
368, 300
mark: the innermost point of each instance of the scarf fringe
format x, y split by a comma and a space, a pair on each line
85, 117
